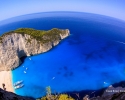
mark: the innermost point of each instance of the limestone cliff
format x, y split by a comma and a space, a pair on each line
15, 45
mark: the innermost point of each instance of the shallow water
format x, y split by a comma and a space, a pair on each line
90, 58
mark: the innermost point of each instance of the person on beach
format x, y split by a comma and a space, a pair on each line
3, 86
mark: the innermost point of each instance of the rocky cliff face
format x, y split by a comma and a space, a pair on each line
15, 45
112, 93
4, 95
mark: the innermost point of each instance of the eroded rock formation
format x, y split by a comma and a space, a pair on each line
14, 46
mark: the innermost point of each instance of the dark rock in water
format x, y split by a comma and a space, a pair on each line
4, 95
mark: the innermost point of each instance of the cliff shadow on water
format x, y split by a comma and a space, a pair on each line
23, 59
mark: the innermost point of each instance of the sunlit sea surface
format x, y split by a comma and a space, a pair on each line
91, 58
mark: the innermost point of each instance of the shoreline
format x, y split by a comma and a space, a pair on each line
6, 78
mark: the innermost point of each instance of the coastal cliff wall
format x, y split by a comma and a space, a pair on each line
14, 46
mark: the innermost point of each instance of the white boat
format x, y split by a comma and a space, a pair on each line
19, 86
105, 83
29, 58
53, 78
25, 72
17, 83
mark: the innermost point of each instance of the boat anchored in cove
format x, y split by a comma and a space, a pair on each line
18, 84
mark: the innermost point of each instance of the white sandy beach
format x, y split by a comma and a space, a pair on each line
6, 78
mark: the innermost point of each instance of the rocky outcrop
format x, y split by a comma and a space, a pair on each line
116, 96
14, 46
112, 93
4, 95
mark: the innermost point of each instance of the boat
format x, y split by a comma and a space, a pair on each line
53, 78
29, 58
19, 86
17, 83
105, 83
24, 71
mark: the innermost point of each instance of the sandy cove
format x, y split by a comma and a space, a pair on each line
6, 78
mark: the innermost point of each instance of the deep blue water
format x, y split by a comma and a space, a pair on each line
92, 57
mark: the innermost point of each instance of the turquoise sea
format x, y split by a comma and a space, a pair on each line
91, 58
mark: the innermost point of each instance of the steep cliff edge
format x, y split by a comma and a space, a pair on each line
4, 95
26, 42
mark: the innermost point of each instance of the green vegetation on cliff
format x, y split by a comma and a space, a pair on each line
40, 35
57, 97
50, 96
